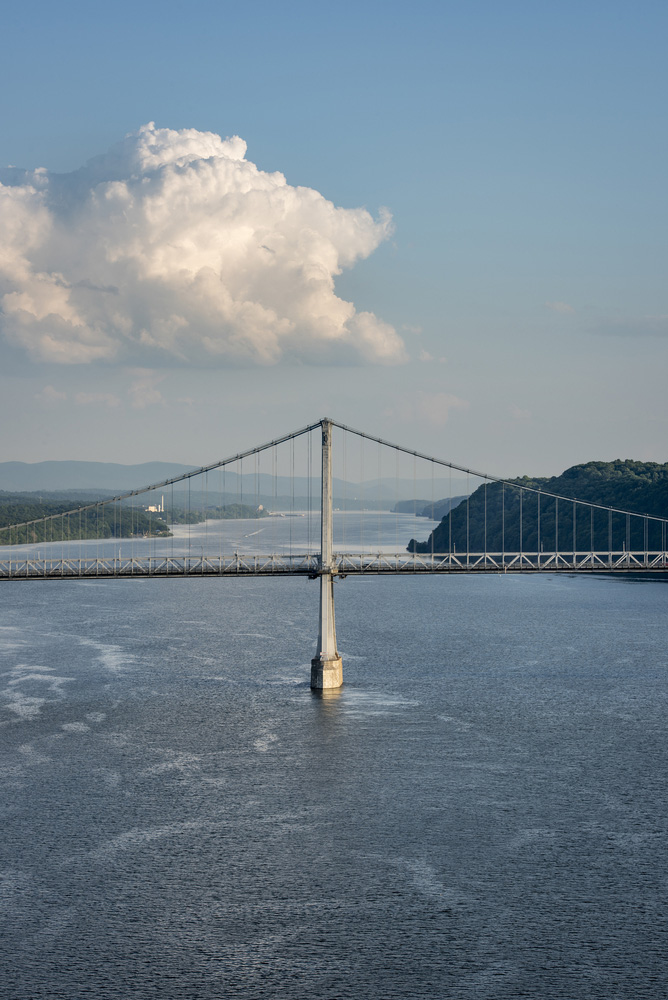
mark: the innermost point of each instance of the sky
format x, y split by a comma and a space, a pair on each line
443, 223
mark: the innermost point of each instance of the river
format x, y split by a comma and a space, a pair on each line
479, 813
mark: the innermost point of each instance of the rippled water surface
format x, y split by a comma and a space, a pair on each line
479, 813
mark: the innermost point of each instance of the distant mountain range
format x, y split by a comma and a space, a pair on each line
24, 477
433, 509
109, 477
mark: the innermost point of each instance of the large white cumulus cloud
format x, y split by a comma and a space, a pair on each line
174, 246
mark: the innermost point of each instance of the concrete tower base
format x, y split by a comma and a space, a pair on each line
326, 673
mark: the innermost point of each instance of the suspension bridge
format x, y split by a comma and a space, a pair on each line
333, 529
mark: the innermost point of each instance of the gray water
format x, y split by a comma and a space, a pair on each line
479, 813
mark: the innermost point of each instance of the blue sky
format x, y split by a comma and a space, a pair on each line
521, 151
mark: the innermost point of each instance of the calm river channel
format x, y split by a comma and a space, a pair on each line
479, 813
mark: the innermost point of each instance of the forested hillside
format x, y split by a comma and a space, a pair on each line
112, 521
491, 518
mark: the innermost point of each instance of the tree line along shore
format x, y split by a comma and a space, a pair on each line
52, 520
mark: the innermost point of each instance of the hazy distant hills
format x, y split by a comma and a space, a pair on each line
110, 477
435, 510
24, 477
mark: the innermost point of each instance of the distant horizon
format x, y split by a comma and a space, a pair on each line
63, 478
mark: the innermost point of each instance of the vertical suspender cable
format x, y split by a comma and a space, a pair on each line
646, 539
432, 513
361, 440
556, 531
344, 449
308, 491
591, 533
485, 538
468, 497
220, 503
240, 492
503, 525
414, 489
222, 481
274, 469
450, 515
379, 494
396, 500
292, 488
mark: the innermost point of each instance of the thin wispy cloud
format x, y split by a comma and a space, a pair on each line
560, 307
428, 358
174, 248
431, 408
143, 390
50, 396
97, 399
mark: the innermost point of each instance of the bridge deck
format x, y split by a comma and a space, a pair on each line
343, 564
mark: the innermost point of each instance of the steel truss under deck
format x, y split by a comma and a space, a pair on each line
342, 564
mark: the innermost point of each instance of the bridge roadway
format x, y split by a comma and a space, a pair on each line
343, 564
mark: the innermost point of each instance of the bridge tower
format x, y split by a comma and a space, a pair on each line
326, 665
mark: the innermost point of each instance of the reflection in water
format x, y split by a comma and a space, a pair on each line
328, 695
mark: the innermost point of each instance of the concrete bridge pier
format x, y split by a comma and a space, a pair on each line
326, 665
